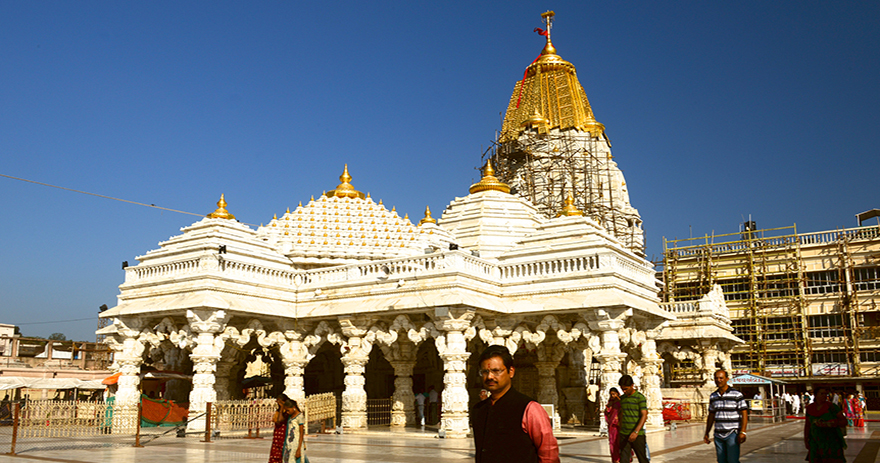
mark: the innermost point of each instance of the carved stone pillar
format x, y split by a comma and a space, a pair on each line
574, 404
223, 376
610, 358
547, 383
547, 393
652, 368
709, 356
403, 411
453, 351
128, 359
205, 356
295, 356
355, 355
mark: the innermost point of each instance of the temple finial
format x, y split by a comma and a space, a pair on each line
549, 49
344, 190
428, 218
569, 209
489, 181
221, 212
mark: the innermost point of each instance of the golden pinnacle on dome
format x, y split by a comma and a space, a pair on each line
428, 218
549, 49
344, 190
569, 209
489, 182
536, 120
221, 212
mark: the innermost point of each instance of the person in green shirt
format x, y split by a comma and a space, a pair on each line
633, 414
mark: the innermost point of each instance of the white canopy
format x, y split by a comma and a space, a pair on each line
15, 382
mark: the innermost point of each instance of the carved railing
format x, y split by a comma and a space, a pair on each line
531, 270
406, 267
172, 269
680, 307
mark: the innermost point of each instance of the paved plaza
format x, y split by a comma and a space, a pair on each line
768, 443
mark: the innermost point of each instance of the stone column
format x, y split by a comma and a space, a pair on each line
204, 356
453, 351
611, 358
355, 355
547, 383
652, 368
128, 359
295, 356
708, 356
403, 412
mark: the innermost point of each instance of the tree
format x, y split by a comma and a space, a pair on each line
57, 337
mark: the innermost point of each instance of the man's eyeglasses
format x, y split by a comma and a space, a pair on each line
493, 372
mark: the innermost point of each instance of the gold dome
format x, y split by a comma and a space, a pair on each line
221, 212
489, 181
344, 190
428, 218
550, 89
569, 209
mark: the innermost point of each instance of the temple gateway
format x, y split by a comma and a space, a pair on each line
544, 255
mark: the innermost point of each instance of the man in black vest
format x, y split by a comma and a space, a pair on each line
509, 426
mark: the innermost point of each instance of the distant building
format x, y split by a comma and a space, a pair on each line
806, 304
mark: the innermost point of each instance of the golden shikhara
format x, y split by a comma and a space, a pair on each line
549, 97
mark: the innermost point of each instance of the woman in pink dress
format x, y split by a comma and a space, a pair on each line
612, 418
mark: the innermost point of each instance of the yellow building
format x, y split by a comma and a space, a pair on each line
805, 303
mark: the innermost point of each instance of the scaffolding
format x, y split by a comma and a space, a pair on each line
794, 322
546, 166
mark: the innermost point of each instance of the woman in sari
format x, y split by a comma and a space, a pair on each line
823, 430
848, 410
857, 413
280, 419
294, 440
612, 418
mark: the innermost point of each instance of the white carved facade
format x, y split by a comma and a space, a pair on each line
346, 296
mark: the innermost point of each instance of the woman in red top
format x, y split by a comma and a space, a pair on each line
612, 417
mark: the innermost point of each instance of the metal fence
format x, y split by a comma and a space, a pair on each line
239, 418
379, 411
58, 424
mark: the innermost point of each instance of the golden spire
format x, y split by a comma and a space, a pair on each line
428, 218
489, 181
221, 212
344, 190
569, 209
550, 89
549, 49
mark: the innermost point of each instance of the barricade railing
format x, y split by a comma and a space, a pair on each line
321, 408
241, 418
676, 410
59, 424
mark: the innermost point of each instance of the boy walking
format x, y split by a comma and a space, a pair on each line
633, 414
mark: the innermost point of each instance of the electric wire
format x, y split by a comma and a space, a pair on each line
105, 196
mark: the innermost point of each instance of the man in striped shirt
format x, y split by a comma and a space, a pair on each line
728, 412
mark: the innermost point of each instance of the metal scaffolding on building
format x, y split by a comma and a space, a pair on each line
768, 289
544, 167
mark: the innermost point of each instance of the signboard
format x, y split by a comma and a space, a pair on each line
749, 380
830, 369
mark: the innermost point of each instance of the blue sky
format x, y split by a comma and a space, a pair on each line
716, 110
